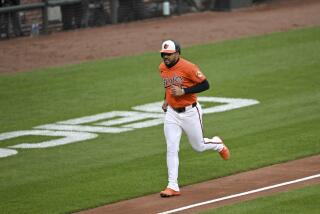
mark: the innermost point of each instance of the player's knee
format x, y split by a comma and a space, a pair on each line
172, 151
198, 148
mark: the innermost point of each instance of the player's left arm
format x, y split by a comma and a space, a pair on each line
203, 86
200, 83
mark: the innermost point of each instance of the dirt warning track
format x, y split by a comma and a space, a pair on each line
223, 191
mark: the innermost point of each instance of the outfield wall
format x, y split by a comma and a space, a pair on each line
33, 17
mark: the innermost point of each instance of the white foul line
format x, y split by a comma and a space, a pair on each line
240, 194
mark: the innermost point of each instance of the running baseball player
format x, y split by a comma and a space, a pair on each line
182, 80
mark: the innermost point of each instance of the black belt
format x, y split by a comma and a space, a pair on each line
183, 109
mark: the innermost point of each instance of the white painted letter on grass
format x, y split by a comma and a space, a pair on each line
114, 122
67, 137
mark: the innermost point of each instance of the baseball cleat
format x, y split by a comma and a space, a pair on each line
224, 153
169, 193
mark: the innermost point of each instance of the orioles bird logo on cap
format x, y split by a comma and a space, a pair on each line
165, 46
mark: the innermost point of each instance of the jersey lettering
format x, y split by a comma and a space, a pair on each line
175, 80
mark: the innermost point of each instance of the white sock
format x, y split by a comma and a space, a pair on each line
216, 142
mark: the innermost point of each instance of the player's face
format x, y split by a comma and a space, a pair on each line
169, 58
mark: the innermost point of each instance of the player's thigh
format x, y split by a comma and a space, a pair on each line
172, 131
192, 126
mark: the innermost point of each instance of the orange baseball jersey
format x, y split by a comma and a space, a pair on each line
183, 74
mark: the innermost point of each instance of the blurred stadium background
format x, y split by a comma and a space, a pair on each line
33, 17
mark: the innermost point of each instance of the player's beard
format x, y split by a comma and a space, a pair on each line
170, 63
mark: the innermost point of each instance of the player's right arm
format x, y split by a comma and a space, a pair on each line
165, 104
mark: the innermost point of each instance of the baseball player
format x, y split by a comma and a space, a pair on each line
182, 80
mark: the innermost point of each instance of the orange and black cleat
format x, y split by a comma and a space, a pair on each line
225, 153
169, 193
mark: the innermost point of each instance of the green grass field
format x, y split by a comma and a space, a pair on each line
280, 70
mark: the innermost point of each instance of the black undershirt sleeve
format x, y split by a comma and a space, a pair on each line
197, 88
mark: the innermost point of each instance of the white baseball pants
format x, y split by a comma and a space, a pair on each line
190, 122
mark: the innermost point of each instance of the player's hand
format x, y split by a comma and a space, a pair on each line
176, 91
164, 106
